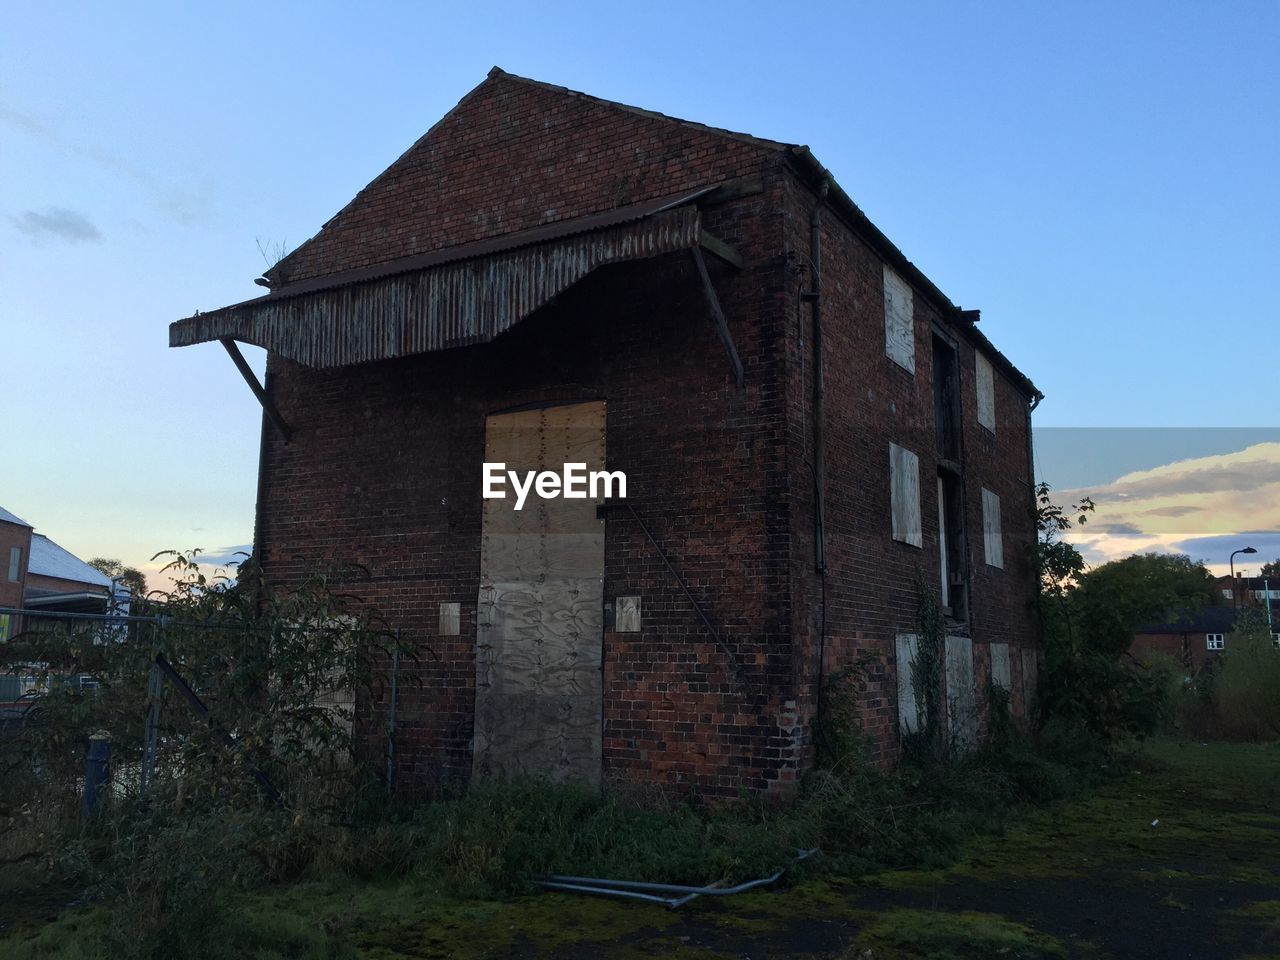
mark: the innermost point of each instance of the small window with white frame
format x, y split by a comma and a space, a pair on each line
1214, 641
1228, 593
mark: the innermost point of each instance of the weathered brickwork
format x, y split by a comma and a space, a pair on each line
384, 466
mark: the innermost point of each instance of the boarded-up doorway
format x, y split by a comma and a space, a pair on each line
539, 637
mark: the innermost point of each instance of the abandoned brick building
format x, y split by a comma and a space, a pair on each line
813, 437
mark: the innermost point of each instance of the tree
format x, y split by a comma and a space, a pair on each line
1089, 618
131, 577
1117, 598
1271, 570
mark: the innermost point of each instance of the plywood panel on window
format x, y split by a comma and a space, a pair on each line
907, 647
984, 376
904, 495
899, 326
992, 537
1000, 666
540, 618
962, 706
1030, 676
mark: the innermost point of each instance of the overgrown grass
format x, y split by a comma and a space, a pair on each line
396, 896
170, 881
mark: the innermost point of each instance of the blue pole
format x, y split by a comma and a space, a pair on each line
97, 772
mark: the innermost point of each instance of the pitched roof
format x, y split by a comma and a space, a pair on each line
554, 143
1215, 619
50, 560
565, 155
7, 517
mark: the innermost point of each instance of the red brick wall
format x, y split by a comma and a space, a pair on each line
563, 156
12, 535
384, 470
871, 586
384, 466
1189, 649
64, 586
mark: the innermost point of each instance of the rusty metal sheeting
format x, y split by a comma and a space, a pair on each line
450, 303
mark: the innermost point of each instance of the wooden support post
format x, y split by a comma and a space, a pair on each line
713, 302
714, 245
233, 350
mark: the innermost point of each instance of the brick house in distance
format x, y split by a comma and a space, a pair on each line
15, 551
811, 433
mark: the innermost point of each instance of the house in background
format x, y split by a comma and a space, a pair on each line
43, 577
41, 581
60, 582
1260, 594
815, 441
15, 550
1194, 639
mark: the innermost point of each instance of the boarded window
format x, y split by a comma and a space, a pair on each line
962, 705
908, 646
450, 619
986, 392
626, 615
899, 331
904, 494
991, 536
540, 617
1000, 666
1030, 677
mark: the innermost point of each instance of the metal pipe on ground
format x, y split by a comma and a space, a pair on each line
642, 890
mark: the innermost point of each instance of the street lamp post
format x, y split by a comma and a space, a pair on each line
1235, 602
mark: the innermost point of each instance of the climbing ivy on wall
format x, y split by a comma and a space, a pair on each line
925, 742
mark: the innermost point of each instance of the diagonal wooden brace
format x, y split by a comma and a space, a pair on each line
713, 302
268, 405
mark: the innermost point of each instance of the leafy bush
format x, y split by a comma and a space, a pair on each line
245, 786
1245, 689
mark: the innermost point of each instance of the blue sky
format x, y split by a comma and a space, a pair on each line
1098, 178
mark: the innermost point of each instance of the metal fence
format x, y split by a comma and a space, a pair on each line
121, 706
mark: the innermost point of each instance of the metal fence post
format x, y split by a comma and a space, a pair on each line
150, 733
97, 773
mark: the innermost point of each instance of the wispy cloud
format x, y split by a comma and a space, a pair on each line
224, 555
1204, 506
176, 202
57, 223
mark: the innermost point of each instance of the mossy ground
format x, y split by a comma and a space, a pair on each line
1179, 855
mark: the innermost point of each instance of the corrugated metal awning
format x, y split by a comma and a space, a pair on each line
448, 298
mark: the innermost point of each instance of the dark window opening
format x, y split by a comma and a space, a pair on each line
953, 579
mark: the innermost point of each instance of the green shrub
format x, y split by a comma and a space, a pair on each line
1245, 688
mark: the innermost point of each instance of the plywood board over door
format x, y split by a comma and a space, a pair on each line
540, 623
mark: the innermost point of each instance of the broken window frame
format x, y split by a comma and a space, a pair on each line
953, 572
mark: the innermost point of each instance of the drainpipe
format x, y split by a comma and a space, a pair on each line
1035, 507
814, 296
